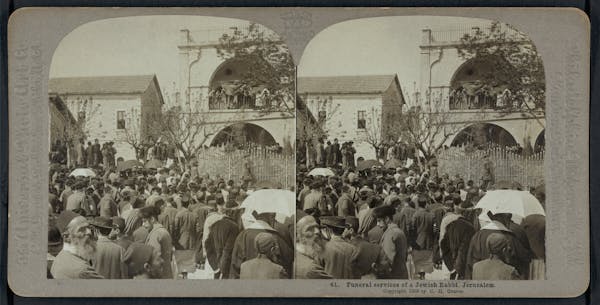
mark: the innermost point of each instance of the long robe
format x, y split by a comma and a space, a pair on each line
108, 260
455, 245
160, 240
219, 245
395, 246
338, 258
184, 229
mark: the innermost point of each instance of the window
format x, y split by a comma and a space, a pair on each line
322, 117
361, 122
120, 119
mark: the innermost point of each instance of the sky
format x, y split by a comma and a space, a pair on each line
148, 45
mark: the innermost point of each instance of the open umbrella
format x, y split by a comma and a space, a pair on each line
393, 163
154, 164
129, 164
83, 172
518, 203
366, 164
280, 202
320, 171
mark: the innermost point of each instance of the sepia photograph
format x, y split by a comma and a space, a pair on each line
420, 151
171, 151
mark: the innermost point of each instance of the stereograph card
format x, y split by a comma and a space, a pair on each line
298, 152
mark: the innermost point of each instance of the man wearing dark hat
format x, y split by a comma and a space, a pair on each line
221, 238
494, 267
266, 265
423, 222
117, 235
369, 254
393, 242
245, 249
478, 248
142, 263
79, 247
454, 243
338, 257
55, 244
107, 261
158, 238
185, 227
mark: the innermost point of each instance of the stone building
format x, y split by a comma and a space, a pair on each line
112, 108
449, 83
355, 108
210, 86
63, 125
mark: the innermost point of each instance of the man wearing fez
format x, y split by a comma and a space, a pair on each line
107, 261
221, 238
266, 264
309, 243
338, 258
158, 238
495, 267
371, 260
79, 248
393, 242
244, 248
519, 256
142, 262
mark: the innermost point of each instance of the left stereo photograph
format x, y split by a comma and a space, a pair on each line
171, 151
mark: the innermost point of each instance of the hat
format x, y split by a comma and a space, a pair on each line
118, 223
136, 255
64, 219
351, 223
496, 242
333, 221
102, 222
384, 211
264, 242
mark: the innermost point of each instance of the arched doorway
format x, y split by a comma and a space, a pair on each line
242, 135
227, 87
481, 135
479, 84
540, 142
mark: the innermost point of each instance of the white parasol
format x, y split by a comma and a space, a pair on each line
280, 202
518, 203
321, 171
84, 172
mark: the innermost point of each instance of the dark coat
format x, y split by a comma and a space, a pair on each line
167, 218
219, 245
184, 229
395, 248
368, 254
423, 226
160, 240
244, 249
494, 270
306, 268
108, 260
455, 245
345, 206
338, 258
107, 206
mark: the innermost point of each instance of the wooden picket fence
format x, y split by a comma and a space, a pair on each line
268, 166
508, 166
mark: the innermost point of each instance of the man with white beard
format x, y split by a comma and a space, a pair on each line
73, 261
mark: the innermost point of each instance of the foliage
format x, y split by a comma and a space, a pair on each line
269, 60
516, 64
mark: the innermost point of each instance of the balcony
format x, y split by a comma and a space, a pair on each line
453, 35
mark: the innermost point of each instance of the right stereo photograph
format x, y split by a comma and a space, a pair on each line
420, 148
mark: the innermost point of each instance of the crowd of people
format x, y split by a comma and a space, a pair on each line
130, 224
404, 223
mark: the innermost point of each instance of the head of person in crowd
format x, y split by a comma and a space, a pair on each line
351, 230
118, 228
332, 226
309, 235
77, 234
268, 218
316, 186
499, 246
142, 262
384, 215
149, 216
103, 226
267, 245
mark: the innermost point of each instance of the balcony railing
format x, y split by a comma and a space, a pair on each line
461, 100
455, 34
211, 35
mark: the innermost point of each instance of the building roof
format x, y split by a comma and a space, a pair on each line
345, 84
129, 84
